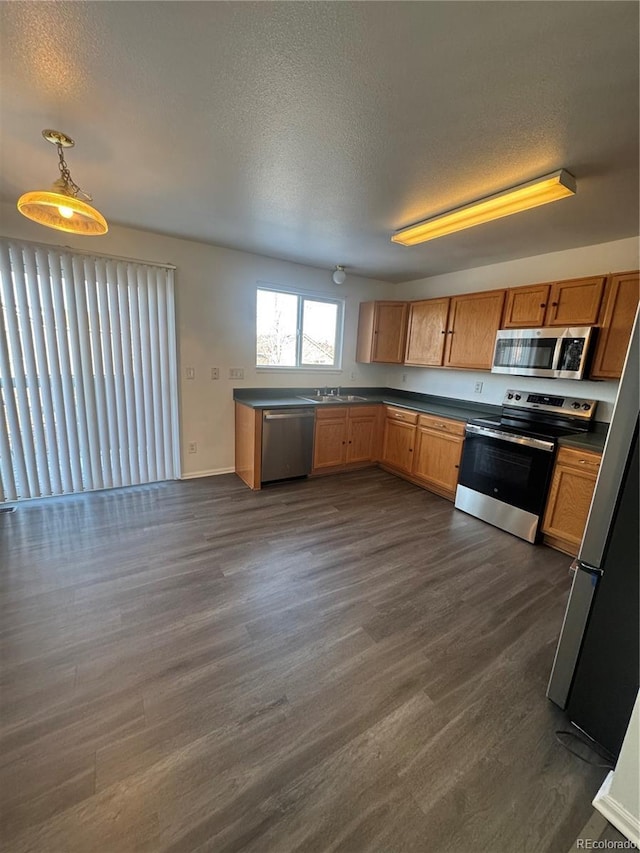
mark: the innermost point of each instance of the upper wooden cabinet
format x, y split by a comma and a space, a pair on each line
427, 331
525, 307
575, 302
618, 311
474, 319
382, 330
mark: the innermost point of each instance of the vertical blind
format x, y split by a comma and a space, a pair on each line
88, 378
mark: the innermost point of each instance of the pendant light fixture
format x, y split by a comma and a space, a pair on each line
339, 276
61, 207
558, 185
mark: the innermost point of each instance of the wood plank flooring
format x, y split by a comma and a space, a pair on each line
340, 664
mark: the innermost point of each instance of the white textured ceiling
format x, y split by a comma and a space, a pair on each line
312, 131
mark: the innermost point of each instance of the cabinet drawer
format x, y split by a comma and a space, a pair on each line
363, 411
442, 424
401, 415
581, 459
331, 413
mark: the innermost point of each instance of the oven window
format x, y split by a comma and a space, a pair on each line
525, 352
503, 465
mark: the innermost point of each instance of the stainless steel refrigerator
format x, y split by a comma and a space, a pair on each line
595, 671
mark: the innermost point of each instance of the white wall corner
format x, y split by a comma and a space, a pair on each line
617, 815
619, 797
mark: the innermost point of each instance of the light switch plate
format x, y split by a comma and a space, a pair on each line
236, 373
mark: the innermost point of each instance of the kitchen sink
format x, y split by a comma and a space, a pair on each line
334, 398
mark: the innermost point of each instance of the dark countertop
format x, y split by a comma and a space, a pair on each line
446, 407
280, 398
593, 441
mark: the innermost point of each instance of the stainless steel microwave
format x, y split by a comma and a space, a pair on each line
561, 353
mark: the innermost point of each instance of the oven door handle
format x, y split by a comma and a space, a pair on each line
525, 440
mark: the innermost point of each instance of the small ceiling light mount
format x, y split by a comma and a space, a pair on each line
338, 276
61, 207
551, 187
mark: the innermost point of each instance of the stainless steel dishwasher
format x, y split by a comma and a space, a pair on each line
287, 443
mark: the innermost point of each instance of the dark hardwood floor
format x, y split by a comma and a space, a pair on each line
340, 664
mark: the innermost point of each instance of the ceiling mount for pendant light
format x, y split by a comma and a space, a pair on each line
61, 207
338, 276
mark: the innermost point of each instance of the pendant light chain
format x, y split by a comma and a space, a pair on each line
66, 176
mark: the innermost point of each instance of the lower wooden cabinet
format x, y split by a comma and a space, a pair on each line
345, 436
398, 444
437, 454
572, 484
424, 449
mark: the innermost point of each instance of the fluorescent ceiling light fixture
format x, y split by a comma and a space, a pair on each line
558, 185
60, 207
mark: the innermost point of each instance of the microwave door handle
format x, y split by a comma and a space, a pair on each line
556, 353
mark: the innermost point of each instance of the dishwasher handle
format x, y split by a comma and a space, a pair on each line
283, 416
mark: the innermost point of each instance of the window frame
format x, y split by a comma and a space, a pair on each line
311, 296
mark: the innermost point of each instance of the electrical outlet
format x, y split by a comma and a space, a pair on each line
404, 377
215, 373
193, 447
190, 373
478, 387
236, 373
354, 375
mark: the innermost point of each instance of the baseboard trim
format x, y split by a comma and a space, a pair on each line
213, 472
616, 814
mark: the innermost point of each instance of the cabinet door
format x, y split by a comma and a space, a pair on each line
397, 450
427, 331
616, 321
390, 332
572, 485
361, 436
575, 302
474, 320
525, 307
330, 440
437, 460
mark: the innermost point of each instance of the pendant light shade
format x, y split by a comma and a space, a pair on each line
60, 207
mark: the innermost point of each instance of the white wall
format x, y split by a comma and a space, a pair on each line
603, 258
215, 305
619, 797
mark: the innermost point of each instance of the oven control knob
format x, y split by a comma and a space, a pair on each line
510, 396
586, 406
518, 397
576, 404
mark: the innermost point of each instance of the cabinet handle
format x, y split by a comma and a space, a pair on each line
450, 332
456, 466
543, 304
554, 304
443, 332
411, 450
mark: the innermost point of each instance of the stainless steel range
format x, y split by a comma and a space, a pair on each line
506, 464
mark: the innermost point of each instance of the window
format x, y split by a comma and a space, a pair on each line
297, 329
